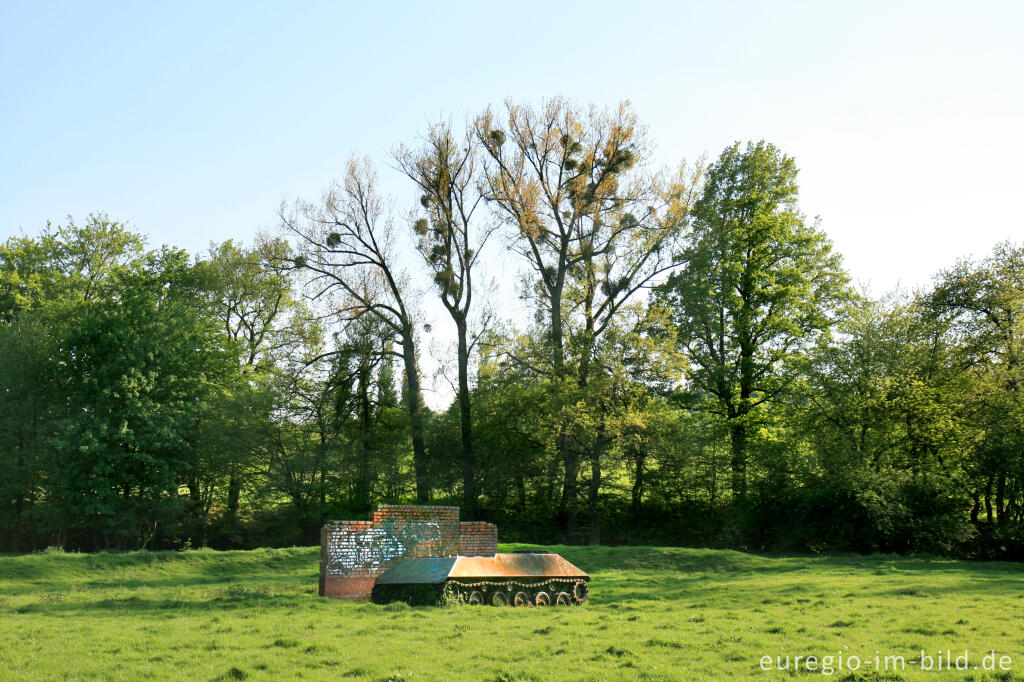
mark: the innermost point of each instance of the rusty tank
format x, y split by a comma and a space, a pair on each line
520, 579
424, 554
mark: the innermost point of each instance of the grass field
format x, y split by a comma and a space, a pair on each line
654, 613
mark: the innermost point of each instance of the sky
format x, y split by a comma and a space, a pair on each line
193, 121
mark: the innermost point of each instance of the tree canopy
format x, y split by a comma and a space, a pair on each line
698, 369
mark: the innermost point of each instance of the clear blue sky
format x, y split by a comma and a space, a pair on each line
193, 120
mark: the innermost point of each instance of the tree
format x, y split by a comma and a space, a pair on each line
303, 441
50, 285
136, 373
256, 303
634, 365
450, 237
66, 267
593, 223
756, 287
28, 394
24, 271
267, 327
346, 245
362, 383
885, 395
889, 432
983, 304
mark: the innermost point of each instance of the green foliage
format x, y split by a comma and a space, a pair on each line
152, 400
66, 267
28, 396
757, 286
135, 389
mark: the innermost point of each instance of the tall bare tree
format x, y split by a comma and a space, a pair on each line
451, 232
595, 225
346, 242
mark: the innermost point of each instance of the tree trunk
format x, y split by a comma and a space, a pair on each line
638, 485
988, 500
713, 488
362, 493
570, 492
466, 422
195, 497
738, 431
521, 492
738, 439
234, 493
419, 450
19, 500
1001, 499
595, 488
558, 352
568, 455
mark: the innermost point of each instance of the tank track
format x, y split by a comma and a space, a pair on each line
510, 592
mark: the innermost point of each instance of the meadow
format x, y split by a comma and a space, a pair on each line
654, 614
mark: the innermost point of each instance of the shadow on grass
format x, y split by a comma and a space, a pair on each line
304, 577
258, 598
34, 572
138, 605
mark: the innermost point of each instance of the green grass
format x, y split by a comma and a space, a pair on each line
654, 613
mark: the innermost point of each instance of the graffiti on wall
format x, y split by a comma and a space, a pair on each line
368, 549
354, 553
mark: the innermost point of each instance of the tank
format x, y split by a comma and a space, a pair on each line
520, 579
424, 554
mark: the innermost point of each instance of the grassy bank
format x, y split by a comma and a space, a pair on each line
654, 613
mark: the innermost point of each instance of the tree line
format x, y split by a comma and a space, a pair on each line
697, 370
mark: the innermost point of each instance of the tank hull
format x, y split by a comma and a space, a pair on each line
519, 579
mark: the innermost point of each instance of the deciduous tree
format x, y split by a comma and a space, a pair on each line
346, 245
594, 224
450, 234
757, 286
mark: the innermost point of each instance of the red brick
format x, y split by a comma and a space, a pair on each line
435, 531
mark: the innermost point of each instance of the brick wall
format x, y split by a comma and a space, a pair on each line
477, 538
354, 553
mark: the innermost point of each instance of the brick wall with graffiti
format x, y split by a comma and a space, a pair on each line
354, 553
